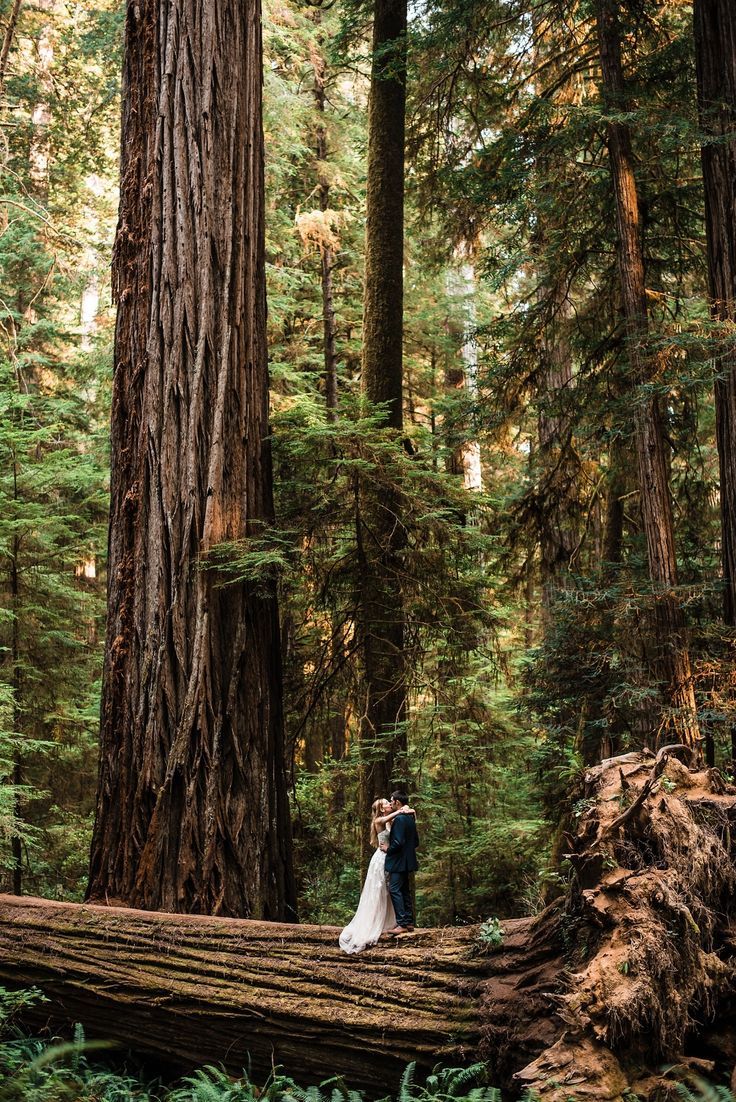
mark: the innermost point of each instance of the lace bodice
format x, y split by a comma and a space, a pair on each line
383, 837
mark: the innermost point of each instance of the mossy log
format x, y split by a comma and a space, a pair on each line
195, 989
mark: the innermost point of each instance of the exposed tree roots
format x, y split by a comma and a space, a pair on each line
646, 994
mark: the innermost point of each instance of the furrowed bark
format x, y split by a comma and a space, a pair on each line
192, 810
715, 51
380, 532
673, 657
195, 989
715, 56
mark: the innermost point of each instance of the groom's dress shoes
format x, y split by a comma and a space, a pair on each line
401, 930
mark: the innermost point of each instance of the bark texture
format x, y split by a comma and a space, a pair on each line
195, 989
192, 809
715, 52
673, 659
380, 533
647, 994
383, 315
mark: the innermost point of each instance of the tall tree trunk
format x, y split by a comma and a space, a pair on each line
383, 308
336, 721
192, 810
673, 657
8, 36
16, 846
379, 528
327, 259
558, 473
715, 56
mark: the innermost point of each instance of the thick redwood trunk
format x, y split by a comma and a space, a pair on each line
379, 528
673, 657
715, 52
192, 808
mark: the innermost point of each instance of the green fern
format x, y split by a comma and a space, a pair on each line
78, 1042
406, 1086
700, 1090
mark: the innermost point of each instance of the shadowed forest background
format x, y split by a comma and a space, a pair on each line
536, 636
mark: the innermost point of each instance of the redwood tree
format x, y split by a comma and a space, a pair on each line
715, 51
379, 527
673, 657
192, 810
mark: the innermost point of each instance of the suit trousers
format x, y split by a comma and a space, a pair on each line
398, 889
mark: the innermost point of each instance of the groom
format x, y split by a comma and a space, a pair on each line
401, 859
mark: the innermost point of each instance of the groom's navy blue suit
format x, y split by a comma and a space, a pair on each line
401, 859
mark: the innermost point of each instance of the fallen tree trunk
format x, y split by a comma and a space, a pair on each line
193, 989
632, 968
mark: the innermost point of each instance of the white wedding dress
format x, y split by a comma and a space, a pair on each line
375, 912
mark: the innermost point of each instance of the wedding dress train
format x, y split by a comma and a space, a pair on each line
375, 912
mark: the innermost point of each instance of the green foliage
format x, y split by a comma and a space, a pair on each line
697, 1089
491, 933
13, 1003
63, 1072
55, 209
526, 659
445, 1083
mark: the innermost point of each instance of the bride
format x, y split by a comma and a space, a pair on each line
375, 912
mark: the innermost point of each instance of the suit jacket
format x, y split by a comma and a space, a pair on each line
403, 844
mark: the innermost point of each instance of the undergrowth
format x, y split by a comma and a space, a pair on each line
34, 1070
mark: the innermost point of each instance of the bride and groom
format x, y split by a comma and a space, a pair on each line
385, 904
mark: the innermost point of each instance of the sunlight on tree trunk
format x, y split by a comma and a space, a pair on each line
651, 447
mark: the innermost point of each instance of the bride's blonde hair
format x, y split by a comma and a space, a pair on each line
376, 810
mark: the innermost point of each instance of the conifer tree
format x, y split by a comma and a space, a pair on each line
379, 523
656, 504
192, 810
715, 52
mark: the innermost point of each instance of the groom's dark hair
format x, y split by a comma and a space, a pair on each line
400, 796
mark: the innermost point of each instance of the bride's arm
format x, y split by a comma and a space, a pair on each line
405, 810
